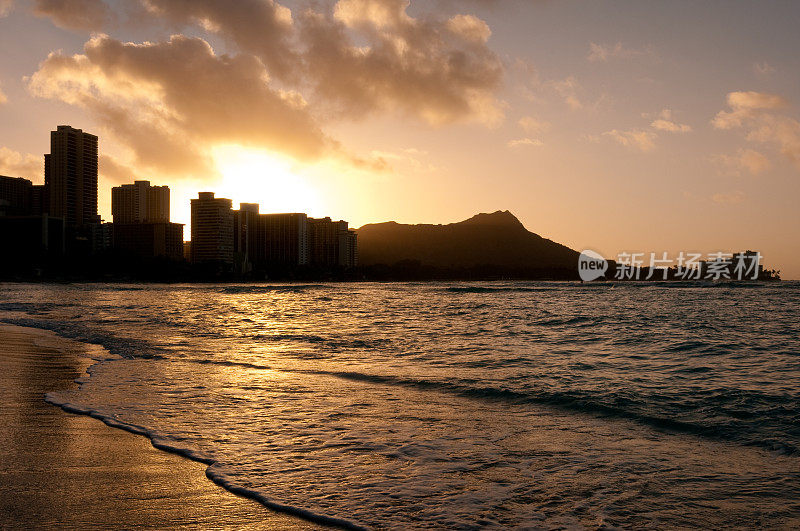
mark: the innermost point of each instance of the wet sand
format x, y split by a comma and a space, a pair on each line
59, 470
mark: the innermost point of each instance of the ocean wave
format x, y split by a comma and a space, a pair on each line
725, 408
609, 405
334, 343
113, 287
488, 289
214, 471
125, 348
290, 288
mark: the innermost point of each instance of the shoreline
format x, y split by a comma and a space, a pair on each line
60, 469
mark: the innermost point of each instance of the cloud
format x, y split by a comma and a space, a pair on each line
759, 115
531, 86
672, 127
15, 164
170, 101
664, 122
747, 160
643, 139
731, 198
521, 142
360, 57
3, 97
763, 69
746, 106
409, 158
85, 15
438, 71
263, 28
568, 90
604, 52
115, 171
470, 28
6, 6
754, 161
635, 138
531, 125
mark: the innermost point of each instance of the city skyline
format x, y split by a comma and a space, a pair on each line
650, 128
54, 229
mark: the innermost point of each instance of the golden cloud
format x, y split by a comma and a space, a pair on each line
439, 71
748, 160
170, 101
758, 113
358, 58
15, 164
635, 138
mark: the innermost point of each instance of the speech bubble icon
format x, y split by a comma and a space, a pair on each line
591, 265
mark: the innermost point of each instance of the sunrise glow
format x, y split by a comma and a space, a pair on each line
257, 176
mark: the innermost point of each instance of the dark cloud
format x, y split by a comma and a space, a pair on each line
86, 15
114, 171
438, 70
170, 101
354, 57
260, 27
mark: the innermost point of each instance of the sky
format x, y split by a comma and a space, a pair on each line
621, 126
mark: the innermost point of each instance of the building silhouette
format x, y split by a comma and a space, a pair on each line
212, 229
139, 203
286, 240
40, 200
141, 227
70, 177
55, 226
247, 236
149, 240
269, 241
29, 235
16, 195
331, 243
266, 242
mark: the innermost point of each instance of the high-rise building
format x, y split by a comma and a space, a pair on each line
140, 203
212, 229
331, 243
149, 240
27, 240
246, 235
40, 200
268, 241
15, 196
70, 176
348, 254
285, 240
158, 204
28, 236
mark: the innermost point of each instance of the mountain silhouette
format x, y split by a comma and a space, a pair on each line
497, 239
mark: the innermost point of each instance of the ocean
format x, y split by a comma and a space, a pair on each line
457, 405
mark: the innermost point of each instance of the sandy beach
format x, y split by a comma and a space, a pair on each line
60, 470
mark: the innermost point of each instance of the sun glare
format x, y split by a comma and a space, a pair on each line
257, 176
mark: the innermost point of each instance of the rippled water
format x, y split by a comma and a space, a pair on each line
460, 405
